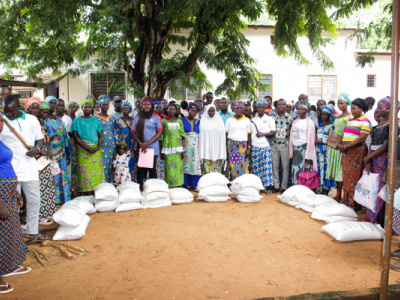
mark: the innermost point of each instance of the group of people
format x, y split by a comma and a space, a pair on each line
53, 152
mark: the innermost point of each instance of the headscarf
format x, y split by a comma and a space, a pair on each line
142, 119
361, 103
263, 102
28, 102
50, 98
126, 103
344, 97
74, 104
102, 99
90, 101
177, 104
212, 138
156, 103
328, 109
305, 104
122, 143
191, 105
44, 105
385, 102
237, 104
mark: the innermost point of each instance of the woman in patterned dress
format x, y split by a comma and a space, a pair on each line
73, 107
12, 247
59, 142
47, 189
191, 161
334, 156
322, 149
108, 145
172, 151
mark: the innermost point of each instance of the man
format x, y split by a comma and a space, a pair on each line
217, 103
288, 108
311, 114
224, 113
320, 105
269, 101
199, 103
159, 109
60, 112
209, 98
4, 91
370, 116
280, 146
23, 161
117, 112
138, 106
164, 103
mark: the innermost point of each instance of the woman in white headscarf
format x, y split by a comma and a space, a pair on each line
212, 141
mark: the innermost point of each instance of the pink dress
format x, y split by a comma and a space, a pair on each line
121, 165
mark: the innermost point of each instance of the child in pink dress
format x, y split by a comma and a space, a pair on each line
120, 171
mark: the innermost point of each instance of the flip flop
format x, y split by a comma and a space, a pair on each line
9, 289
18, 271
38, 238
45, 222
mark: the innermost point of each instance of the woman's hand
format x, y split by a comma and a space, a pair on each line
143, 146
248, 152
259, 134
68, 160
162, 156
4, 215
20, 200
182, 155
366, 160
368, 168
308, 161
341, 148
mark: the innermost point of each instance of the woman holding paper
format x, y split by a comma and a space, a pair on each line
146, 130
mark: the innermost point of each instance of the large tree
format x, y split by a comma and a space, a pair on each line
137, 35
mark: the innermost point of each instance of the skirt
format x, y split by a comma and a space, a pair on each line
107, 161
74, 166
334, 169
323, 164
174, 169
209, 166
90, 171
61, 182
298, 162
261, 162
160, 168
237, 160
12, 247
352, 171
47, 194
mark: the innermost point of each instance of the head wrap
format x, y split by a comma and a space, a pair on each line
143, 115
305, 104
361, 103
44, 105
28, 102
328, 109
102, 99
84, 101
236, 104
385, 102
147, 99
122, 143
156, 102
344, 97
50, 98
74, 104
177, 104
262, 102
192, 104
127, 104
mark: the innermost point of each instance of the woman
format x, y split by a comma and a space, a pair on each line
212, 132
12, 249
108, 145
73, 107
147, 129
160, 164
325, 127
247, 111
302, 142
238, 139
48, 206
87, 132
377, 159
178, 111
172, 150
59, 145
262, 127
191, 161
354, 150
334, 170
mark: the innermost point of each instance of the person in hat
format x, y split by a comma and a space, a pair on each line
117, 112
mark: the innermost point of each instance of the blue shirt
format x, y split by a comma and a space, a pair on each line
227, 116
151, 126
6, 169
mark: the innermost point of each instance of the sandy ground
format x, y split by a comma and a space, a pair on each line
204, 251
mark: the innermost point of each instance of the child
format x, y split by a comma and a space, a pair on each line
120, 171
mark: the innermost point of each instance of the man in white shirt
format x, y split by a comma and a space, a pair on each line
23, 161
370, 116
60, 113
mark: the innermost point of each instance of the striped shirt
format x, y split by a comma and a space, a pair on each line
354, 127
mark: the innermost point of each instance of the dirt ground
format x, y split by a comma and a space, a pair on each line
204, 251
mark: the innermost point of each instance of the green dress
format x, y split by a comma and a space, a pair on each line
334, 157
172, 148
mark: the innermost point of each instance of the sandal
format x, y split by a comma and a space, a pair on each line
9, 289
36, 238
18, 271
268, 192
45, 222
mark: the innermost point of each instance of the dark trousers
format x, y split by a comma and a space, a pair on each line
143, 172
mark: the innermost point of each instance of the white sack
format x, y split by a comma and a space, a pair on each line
216, 198
248, 181
295, 190
354, 231
155, 185
154, 196
336, 209
68, 233
305, 207
128, 206
129, 186
156, 203
106, 191
211, 179
248, 199
72, 212
154, 181
331, 219
104, 206
249, 192
179, 194
129, 192
90, 199
215, 190
182, 201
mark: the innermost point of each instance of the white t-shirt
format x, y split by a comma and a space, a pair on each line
265, 124
67, 122
238, 129
28, 127
299, 132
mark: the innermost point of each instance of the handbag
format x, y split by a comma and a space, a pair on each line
57, 153
309, 179
366, 190
334, 140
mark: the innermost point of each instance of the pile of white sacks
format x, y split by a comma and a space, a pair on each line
156, 194
342, 220
129, 197
213, 187
246, 188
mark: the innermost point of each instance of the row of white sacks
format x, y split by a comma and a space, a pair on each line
342, 220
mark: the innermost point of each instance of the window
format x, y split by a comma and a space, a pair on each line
371, 80
321, 87
266, 79
25, 94
184, 93
110, 84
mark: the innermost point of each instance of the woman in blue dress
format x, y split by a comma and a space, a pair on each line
59, 148
108, 145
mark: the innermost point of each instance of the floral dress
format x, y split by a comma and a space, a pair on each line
191, 161
322, 152
122, 132
121, 165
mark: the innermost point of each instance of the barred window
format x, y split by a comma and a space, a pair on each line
110, 84
322, 87
371, 80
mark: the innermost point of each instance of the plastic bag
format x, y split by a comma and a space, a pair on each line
366, 190
54, 168
68, 233
354, 231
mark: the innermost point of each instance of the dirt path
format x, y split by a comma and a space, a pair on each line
205, 251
